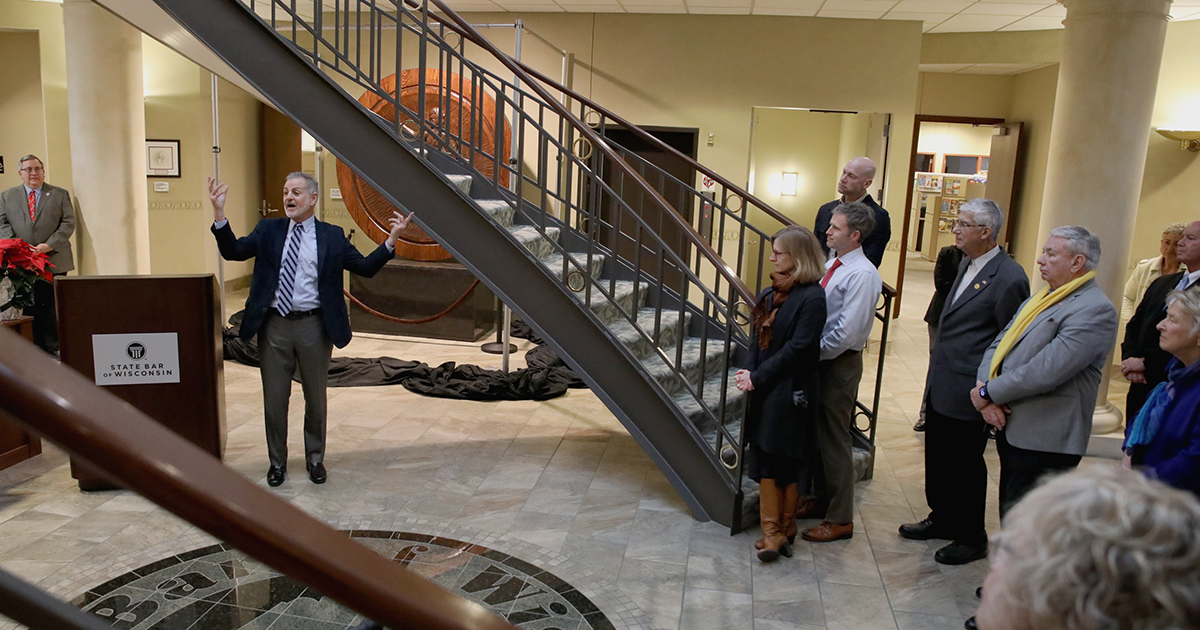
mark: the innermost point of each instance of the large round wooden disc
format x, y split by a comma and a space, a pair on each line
368, 208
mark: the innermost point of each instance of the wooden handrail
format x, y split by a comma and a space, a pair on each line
95, 426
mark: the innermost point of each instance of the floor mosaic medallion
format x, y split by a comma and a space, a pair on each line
221, 588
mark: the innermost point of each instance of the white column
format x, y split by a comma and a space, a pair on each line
1112, 50
108, 135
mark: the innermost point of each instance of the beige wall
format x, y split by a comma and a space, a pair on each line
21, 102
179, 107
969, 95
796, 141
1171, 183
1033, 105
46, 20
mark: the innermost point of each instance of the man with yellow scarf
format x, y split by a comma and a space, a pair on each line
1039, 379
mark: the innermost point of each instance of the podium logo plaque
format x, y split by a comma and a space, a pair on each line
136, 359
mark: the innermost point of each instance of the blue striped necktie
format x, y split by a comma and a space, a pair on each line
287, 273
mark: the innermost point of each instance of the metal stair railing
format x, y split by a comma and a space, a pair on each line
549, 168
740, 223
749, 234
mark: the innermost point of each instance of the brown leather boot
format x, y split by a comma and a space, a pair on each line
787, 523
770, 500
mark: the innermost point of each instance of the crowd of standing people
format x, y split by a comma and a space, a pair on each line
1023, 369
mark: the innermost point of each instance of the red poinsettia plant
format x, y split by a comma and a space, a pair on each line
23, 266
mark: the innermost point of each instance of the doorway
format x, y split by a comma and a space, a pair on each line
796, 158
954, 160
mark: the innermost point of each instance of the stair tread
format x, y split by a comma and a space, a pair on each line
636, 340
498, 209
540, 244
461, 182
579, 260
689, 362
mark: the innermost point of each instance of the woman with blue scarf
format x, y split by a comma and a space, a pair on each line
1164, 439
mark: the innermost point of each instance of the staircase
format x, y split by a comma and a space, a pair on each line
569, 230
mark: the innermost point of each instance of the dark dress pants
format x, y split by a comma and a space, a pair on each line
1021, 469
286, 346
956, 475
45, 318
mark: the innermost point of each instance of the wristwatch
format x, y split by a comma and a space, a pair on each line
983, 393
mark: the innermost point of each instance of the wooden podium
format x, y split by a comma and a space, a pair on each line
153, 341
15, 444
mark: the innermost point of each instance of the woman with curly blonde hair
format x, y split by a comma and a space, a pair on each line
1096, 549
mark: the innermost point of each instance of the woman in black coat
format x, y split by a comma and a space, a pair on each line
781, 378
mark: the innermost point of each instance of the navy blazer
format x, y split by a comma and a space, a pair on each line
334, 253
873, 245
1173, 455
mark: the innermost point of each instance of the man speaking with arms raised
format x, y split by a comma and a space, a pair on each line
296, 307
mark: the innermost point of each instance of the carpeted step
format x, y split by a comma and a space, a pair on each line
498, 209
554, 262
735, 404
641, 342
461, 182
533, 240
690, 364
623, 299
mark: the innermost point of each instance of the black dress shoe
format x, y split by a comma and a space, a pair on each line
316, 472
920, 425
970, 624
275, 475
960, 553
925, 530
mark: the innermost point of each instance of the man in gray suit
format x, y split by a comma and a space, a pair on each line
1039, 379
983, 298
41, 215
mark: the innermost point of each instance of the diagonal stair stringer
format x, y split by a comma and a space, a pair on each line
360, 139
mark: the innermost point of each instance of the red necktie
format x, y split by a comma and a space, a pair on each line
32, 203
837, 262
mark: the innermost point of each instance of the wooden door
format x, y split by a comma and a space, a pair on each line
281, 154
675, 189
1004, 173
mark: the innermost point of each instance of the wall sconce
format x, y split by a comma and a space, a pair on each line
787, 186
1188, 140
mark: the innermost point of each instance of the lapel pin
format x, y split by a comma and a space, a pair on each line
976, 286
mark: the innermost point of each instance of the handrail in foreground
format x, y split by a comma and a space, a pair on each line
145, 456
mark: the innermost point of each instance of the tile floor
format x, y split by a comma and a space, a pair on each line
559, 483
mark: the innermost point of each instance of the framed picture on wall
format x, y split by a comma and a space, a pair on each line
162, 158
929, 182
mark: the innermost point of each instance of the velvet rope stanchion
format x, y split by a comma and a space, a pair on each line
425, 320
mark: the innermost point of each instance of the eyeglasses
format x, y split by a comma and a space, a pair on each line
964, 225
33, 169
